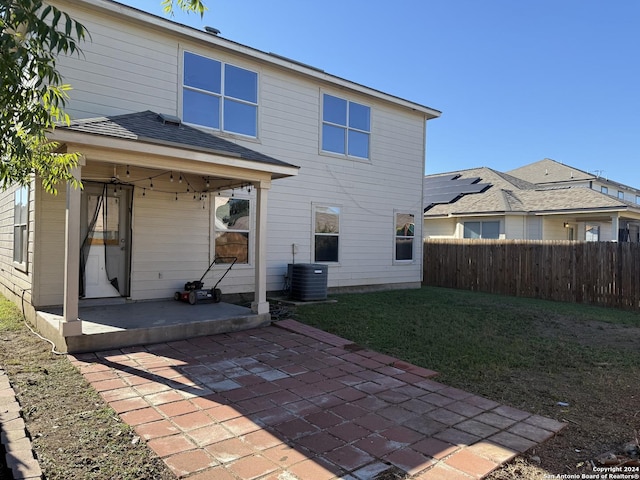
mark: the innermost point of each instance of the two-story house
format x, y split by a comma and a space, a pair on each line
194, 146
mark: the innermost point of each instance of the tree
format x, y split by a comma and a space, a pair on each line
32, 95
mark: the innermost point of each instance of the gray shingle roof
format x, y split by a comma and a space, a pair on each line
550, 171
510, 194
150, 127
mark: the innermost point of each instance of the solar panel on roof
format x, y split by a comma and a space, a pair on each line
444, 189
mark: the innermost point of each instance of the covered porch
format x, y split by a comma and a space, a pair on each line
117, 323
160, 239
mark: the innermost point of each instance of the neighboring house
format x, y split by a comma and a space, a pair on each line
485, 203
194, 146
551, 173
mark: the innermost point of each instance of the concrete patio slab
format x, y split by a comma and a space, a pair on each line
290, 401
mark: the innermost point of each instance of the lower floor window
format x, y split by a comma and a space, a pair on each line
488, 230
232, 229
20, 222
404, 234
592, 233
326, 233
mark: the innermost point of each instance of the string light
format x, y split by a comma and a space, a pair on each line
180, 179
208, 183
144, 192
176, 196
171, 177
128, 174
151, 183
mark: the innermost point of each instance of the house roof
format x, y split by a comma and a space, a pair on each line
548, 171
151, 127
158, 22
511, 194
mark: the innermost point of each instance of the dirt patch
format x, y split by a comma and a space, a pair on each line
590, 333
74, 433
600, 402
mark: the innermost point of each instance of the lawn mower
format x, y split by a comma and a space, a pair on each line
194, 292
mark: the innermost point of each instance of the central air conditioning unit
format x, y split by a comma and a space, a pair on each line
308, 281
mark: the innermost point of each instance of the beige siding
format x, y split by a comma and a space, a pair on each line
15, 279
122, 69
50, 241
554, 229
440, 228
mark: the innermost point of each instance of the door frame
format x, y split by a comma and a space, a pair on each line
125, 193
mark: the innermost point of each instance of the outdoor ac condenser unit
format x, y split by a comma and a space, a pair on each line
308, 281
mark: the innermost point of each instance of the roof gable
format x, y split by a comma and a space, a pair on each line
548, 171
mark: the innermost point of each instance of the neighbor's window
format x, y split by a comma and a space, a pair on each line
604, 190
20, 224
219, 95
620, 194
346, 127
488, 230
326, 233
592, 233
404, 228
232, 228
638, 199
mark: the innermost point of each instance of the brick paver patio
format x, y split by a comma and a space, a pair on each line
290, 401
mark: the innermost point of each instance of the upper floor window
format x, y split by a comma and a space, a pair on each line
20, 225
604, 190
638, 199
218, 95
346, 127
326, 233
405, 230
620, 194
490, 230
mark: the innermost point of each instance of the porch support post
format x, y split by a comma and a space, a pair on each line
615, 227
71, 325
260, 304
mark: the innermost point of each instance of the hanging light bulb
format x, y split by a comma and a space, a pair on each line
180, 179
171, 177
208, 183
144, 192
151, 184
128, 174
176, 196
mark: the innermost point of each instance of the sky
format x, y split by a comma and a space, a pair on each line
516, 80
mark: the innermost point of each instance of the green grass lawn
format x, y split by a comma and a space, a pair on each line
470, 337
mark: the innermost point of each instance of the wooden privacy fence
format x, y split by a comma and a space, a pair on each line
601, 273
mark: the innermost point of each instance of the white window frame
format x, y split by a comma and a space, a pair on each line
21, 223
222, 96
396, 237
604, 190
250, 231
346, 129
620, 195
638, 199
593, 230
314, 209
